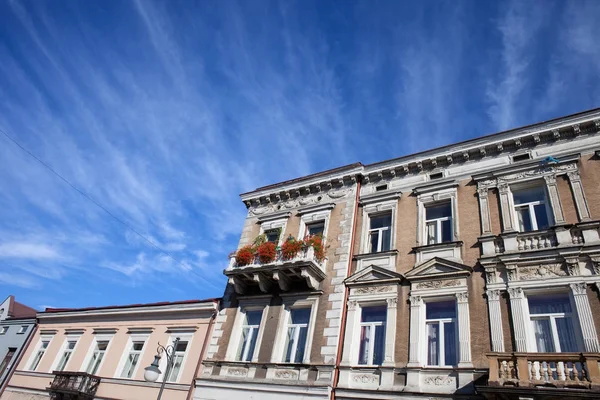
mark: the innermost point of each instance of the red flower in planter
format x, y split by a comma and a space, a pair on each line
244, 256
267, 252
316, 241
291, 247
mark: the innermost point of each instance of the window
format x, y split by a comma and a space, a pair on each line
250, 328
38, 355
178, 357
380, 232
438, 222
441, 333
64, 359
6, 362
521, 157
316, 228
552, 322
372, 335
273, 235
3, 330
296, 335
22, 329
531, 209
381, 188
132, 359
97, 356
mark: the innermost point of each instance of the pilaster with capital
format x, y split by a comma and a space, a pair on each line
464, 329
390, 331
416, 308
484, 210
493, 298
351, 325
508, 223
554, 197
582, 207
518, 302
584, 312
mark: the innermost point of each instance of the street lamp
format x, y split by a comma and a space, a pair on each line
152, 372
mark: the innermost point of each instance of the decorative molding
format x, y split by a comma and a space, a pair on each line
237, 371
493, 295
373, 289
365, 378
315, 199
392, 303
416, 301
438, 284
579, 288
439, 380
515, 293
462, 297
352, 305
286, 374
541, 272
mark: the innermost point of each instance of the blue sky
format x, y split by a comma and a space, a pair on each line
163, 112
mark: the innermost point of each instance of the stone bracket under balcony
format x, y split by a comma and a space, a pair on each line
282, 274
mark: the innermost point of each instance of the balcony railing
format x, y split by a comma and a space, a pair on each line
74, 385
560, 370
536, 240
306, 254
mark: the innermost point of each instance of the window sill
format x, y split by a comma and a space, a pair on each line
445, 245
375, 254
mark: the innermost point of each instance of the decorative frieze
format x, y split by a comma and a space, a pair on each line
373, 289
438, 284
288, 374
439, 380
267, 206
365, 379
541, 272
233, 371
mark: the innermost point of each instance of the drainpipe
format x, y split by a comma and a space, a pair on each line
338, 360
20, 357
203, 351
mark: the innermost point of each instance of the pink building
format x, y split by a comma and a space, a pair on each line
102, 352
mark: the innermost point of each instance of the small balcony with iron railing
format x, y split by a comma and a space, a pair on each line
545, 371
283, 273
73, 385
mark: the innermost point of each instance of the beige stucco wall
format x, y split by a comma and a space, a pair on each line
112, 386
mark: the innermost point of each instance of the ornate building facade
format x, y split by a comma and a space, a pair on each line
466, 271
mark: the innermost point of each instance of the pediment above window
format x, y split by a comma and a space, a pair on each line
438, 268
373, 275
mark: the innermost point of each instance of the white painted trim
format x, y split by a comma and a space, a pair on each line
250, 304
431, 199
68, 338
88, 357
279, 223
313, 217
375, 209
184, 337
43, 338
133, 337
289, 303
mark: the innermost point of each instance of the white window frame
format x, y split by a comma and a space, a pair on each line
438, 223
431, 198
183, 337
530, 334
63, 349
255, 303
442, 342
134, 336
314, 214
375, 210
291, 302
380, 232
22, 329
275, 221
98, 337
546, 202
373, 326
38, 347
3, 330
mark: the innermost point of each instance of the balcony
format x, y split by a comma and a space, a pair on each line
73, 386
545, 370
304, 269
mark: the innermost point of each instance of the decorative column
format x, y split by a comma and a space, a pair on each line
464, 330
582, 208
493, 297
582, 304
508, 223
390, 331
557, 212
348, 347
416, 307
484, 210
517, 303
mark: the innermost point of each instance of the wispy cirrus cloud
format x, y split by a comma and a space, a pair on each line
165, 119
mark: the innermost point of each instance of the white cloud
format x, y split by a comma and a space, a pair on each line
28, 251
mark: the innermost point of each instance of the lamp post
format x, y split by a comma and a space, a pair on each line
152, 372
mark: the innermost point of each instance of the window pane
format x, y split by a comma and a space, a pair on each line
138, 346
379, 348
374, 314
447, 231
374, 241
177, 362
272, 235
289, 343
316, 229
438, 211
566, 334
543, 335
541, 216
381, 221
301, 345
440, 309
524, 219
529, 195
253, 317
385, 241
547, 304
365, 339
449, 343
181, 347
432, 232
433, 345
300, 315
252, 344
